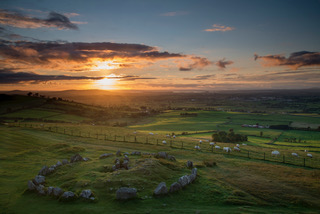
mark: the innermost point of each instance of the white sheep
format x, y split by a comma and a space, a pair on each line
134, 132
227, 149
174, 136
211, 143
217, 147
197, 147
306, 151
200, 141
244, 144
167, 135
236, 149
164, 142
275, 152
150, 133
238, 145
294, 154
309, 155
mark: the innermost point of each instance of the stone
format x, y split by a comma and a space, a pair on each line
146, 153
39, 179
126, 157
135, 153
189, 164
58, 164
40, 189
86, 194
118, 164
194, 171
125, 153
125, 164
31, 185
118, 153
114, 168
105, 155
92, 198
125, 193
184, 180
44, 170
162, 155
161, 189
171, 157
57, 191
51, 170
175, 187
86, 159
76, 158
68, 195
50, 190
65, 161
191, 178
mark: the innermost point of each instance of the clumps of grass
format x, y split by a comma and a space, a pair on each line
59, 146
72, 150
239, 193
238, 201
209, 163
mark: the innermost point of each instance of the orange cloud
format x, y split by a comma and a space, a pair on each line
217, 27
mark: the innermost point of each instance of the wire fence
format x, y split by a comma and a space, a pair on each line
302, 161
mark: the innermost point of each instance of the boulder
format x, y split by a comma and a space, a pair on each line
40, 189
126, 157
125, 164
124, 193
51, 169
86, 194
189, 164
86, 159
135, 153
162, 155
31, 185
39, 179
175, 187
184, 180
76, 158
50, 190
126, 153
171, 157
161, 189
194, 171
44, 170
118, 153
191, 178
105, 155
58, 164
118, 164
57, 191
68, 195
65, 161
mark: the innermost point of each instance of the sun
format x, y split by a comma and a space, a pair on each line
107, 83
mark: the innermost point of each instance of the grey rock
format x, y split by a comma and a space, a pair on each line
125, 153
126, 157
118, 153
31, 185
58, 164
162, 155
161, 189
175, 187
39, 179
51, 170
76, 158
146, 153
194, 171
118, 164
92, 198
57, 191
125, 164
68, 195
191, 178
135, 153
50, 190
184, 180
40, 189
86, 159
86, 194
125, 193
189, 164
105, 155
65, 161
171, 157
114, 168
44, 170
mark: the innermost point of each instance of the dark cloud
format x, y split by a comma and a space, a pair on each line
201, 77
8, 76
55, 20
198, 62
223, 63
130, 78
295, 60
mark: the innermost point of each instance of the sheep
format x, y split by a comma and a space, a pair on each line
197, 147
275, 152
309, 155
174, 136
164, 142
167, 135
236, 149
217, 147
150, 133
238, 145
211, 143
200, 141
227, 149
134, 132
294, 154
306, 151
244, 144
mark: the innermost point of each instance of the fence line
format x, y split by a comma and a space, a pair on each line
291, 160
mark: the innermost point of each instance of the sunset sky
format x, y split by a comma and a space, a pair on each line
159, 45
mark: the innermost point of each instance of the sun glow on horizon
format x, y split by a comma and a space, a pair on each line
107, 83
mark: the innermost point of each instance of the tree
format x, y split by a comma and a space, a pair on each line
29, 94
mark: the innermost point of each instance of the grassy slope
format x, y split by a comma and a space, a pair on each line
235, 186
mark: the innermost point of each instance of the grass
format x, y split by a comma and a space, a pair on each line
234, 185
